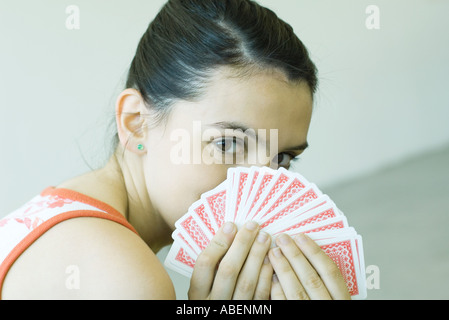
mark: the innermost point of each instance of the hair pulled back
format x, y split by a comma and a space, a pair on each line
189, 39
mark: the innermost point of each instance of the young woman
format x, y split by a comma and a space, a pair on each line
222, 65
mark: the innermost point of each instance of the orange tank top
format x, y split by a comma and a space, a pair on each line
22, 227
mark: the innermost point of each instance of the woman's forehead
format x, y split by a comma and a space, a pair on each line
261, 96
260, 102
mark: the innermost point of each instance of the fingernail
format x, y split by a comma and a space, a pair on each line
262, 237
283, 239
301, 238
277, 252
251, 225
228, 227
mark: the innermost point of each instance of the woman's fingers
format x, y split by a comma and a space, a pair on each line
232, 263
288, 280
276, 289
302, 270
324, 266
206, 264
253, 274
310, 284
305, 271
263, 288
244, 271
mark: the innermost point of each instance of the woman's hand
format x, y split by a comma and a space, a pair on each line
235, 266
244, 271
304, 271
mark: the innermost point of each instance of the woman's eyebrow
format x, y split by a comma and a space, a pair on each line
301, 147
234, 125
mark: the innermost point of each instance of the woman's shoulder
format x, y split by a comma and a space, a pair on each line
88, 258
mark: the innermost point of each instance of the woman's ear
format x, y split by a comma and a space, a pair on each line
130, 117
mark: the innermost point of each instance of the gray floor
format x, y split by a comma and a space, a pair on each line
402, 213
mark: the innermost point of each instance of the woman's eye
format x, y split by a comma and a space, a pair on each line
229, 145
283, 159
226, 145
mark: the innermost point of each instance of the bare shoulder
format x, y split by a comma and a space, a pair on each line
88, 258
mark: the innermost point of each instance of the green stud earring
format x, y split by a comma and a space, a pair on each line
140, 146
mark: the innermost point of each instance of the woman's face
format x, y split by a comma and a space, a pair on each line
260, 120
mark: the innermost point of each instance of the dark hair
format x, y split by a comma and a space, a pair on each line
189, 39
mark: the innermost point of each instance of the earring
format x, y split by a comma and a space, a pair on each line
140, 146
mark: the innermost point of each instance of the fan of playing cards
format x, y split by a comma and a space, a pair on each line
281, 201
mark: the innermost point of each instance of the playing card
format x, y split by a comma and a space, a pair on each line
290, 189
199, 209
246, 191
179, 260
336, 223
240, 176
281, 202
291, 205
314, 212
229, 185
263, 180
193, 232
279, 180
342, 248
184, 242
215, 204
